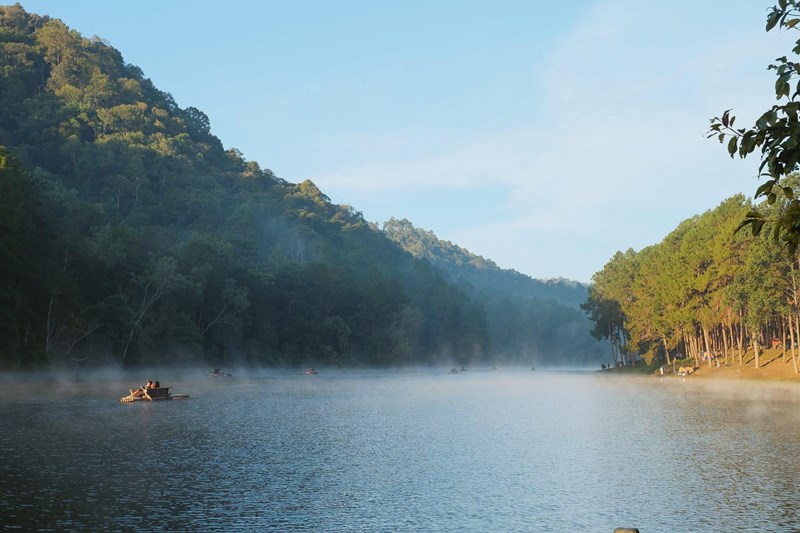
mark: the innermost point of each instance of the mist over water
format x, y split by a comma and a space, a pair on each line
420, 450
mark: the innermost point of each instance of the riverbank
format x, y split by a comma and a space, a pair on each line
772, 367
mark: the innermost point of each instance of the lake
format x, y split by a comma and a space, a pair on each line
510, 450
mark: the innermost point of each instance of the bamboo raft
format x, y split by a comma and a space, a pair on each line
142, 394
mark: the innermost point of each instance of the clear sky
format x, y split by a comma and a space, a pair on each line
542, 135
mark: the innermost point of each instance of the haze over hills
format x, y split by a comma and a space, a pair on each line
461, 266
537, 316
132, 235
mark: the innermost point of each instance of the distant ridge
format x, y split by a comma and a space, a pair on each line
462, 266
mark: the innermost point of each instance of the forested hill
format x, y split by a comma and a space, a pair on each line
525, 315
129, 234
462, 266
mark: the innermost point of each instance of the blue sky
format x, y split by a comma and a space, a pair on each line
544, 136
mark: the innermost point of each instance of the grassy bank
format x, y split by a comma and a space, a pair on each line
772, 367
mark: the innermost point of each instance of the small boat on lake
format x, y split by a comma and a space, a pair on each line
143, 394
217, 372
311, 372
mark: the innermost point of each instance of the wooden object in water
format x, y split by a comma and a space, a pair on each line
161, 393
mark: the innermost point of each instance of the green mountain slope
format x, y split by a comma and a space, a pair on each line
131, 235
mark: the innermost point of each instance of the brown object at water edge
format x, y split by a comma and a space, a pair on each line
626, 530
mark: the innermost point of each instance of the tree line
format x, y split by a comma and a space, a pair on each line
706, 291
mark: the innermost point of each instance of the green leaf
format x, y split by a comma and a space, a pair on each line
732, 146
761, 123
754, 220
773, 117
764, 188
748, 143
782, 85
773, 18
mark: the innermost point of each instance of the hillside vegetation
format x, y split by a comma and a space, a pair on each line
130, 234
463, 267
525, 315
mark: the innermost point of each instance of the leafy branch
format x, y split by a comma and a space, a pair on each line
776, 134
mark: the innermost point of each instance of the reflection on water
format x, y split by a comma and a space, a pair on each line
381, 451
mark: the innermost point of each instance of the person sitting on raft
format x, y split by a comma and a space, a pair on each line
141, 390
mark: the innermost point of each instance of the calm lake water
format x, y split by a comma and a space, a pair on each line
410, 451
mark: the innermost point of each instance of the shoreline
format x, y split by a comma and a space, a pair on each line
772, 368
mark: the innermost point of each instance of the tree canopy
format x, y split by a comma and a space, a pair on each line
704, 292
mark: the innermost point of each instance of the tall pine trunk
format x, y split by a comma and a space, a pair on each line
741, 344
708, 346
755, 347
783, 337
725, 345
795, 340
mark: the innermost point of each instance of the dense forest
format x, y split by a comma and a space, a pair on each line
706, 289
130, 235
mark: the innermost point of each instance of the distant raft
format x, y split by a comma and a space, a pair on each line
143, 394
